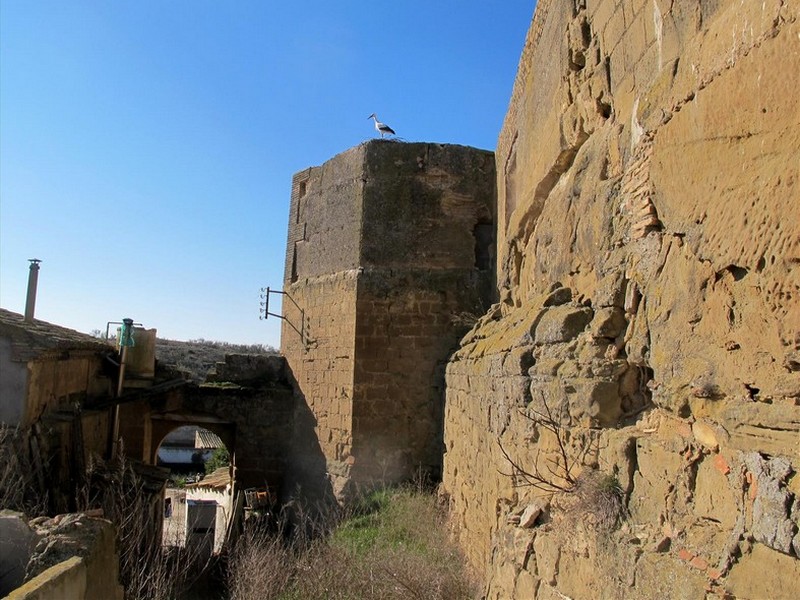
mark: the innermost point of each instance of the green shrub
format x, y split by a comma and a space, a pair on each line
220, 457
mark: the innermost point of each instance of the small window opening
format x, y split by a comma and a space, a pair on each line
294, 263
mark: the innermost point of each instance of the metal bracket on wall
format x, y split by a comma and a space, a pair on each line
264, 312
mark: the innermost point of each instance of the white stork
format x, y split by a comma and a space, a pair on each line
381, 128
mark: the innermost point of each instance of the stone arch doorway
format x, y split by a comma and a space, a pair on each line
164, 426
189, 449
199, 502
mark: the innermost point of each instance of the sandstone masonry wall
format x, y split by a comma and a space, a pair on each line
648, 334
317, 335
391, 252
248, 402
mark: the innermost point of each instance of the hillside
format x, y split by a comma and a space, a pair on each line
197, 357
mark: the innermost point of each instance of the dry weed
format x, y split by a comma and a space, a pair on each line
390, 546
147, 570
19, 489
260, 565
600, 500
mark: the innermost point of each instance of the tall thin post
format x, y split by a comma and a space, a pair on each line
125, 340
33, 282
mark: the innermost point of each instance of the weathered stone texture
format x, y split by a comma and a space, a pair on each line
390, 259
253, 422
250, 406
322, 361
649, 272
73, 556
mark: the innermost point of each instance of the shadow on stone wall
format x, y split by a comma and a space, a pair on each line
306, 480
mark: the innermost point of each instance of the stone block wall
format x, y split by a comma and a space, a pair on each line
319, 326
647, 334
391, 251
249, 405
260, 421
408, 325
321, 363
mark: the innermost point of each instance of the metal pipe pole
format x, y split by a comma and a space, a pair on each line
124, 341
33, 282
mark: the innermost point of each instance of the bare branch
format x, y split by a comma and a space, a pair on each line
560, 477
533, 479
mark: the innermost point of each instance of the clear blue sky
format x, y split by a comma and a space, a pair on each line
147, 147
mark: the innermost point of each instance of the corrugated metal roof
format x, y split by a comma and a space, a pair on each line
206, 439
30, 340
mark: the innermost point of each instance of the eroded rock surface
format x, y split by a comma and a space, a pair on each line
648, 333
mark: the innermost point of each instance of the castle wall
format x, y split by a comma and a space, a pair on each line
646, 343
426, 273
318, 334
409, 323
321, 362
377, 329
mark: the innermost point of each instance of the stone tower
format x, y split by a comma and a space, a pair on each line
390, 259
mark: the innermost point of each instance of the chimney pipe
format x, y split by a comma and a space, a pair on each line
33, 282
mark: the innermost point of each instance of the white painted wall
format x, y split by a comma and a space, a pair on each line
224, 500
177, 455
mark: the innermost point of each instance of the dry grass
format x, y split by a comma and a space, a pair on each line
19, 489
393, 546
147, 570
599, 501
261, 563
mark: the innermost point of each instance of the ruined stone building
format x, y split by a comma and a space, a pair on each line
48, 374
390, 259
59, 391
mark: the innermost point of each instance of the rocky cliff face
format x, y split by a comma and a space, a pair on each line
626, 421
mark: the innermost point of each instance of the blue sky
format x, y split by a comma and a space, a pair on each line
147, 147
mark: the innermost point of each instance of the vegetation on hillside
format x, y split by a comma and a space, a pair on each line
197, 357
